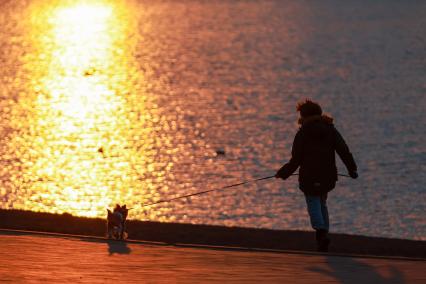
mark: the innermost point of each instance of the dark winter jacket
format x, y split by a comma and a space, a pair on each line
313, 151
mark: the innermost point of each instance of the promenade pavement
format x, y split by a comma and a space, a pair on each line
39, 258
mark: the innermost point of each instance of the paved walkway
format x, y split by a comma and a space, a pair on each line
32, 258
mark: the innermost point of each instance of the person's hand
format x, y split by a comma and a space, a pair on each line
353, 174
279, 174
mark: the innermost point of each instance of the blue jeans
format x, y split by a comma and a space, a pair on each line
318, 212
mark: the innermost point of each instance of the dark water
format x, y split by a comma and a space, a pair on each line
130, 101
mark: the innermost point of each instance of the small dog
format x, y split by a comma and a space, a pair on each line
116, 222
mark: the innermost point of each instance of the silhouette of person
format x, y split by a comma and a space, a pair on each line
313, 151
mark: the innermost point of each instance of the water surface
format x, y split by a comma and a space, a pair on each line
105, 102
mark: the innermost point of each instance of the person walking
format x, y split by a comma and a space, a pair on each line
314, 148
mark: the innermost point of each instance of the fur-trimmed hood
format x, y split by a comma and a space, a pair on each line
316, 127
324, 117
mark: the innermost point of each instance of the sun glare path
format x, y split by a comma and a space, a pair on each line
83, 35
84, 161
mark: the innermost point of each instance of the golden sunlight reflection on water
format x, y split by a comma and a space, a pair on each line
111, 101
80, 160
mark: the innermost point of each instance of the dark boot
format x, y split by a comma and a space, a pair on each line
322, 240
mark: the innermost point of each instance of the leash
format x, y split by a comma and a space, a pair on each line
206, 191
215, 189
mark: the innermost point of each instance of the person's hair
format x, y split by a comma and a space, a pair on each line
308, 108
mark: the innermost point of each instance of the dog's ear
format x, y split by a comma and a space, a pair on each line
125, 211
109, 212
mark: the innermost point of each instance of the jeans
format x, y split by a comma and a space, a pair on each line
318, 212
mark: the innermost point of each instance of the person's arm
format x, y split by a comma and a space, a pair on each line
296, 156
342, 150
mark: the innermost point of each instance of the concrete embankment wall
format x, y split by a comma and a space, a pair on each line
176, 233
